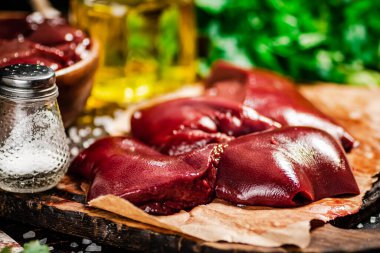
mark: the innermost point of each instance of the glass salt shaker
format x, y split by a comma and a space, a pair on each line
34, 153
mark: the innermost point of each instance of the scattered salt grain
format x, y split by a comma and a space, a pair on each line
118, 113
74, 151
102, 120
136, 115
88, 142
372, 219
73, 132
86, 241
106, 121
360, 225
76, 139
369, 155
43, 241
355, 115
93, 248
97, 132
84, 132
29, 235
74, 245
51, 248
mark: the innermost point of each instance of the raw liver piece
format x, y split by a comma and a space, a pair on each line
35, 40
286, 167
13, 27
273, 96
53, 32
181, 125
16, 51
157, 183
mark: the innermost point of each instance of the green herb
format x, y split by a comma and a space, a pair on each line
30, 247
35, 247
6, 250
328, 40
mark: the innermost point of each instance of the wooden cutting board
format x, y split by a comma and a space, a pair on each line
63, 209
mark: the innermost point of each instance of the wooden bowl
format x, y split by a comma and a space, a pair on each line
75, 84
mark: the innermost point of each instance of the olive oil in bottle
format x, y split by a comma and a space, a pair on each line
147, 47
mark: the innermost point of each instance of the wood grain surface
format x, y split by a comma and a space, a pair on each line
63, 209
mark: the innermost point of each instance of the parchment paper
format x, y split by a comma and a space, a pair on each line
358, 109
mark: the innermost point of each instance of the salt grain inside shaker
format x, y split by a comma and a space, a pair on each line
33, 147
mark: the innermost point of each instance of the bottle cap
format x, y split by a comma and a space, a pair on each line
27, 81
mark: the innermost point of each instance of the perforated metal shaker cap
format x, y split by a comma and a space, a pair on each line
27, 81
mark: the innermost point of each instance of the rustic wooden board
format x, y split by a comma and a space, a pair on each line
63, 209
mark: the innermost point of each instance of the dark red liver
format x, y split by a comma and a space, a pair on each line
285, 167
34, 40
181, 125
157, 183
273, 96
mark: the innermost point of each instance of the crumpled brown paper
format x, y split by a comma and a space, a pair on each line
358, 109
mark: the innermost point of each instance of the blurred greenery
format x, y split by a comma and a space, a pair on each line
168, 49
327, 40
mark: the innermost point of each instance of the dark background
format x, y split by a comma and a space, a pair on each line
23, 5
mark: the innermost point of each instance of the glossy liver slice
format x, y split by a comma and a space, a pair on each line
181, 125
286, 167
273, 96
